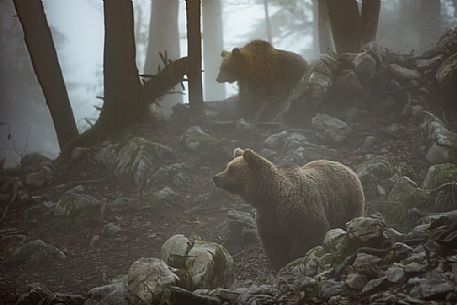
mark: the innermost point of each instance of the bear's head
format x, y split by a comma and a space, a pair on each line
245, 175
231, 66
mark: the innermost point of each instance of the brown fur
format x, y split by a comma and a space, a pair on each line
265, 75
295, 206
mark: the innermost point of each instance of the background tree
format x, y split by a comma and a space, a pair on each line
213, 44
163, 35
194, 49
123, 99
429, 22
350, 27
322, 32
43, 55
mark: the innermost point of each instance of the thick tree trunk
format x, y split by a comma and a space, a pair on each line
43, 55
194, 49
345, 24
163, 36
123, 101
213, 43
429, 22
324, 30
369, 20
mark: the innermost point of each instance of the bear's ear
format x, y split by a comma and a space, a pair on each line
224, 53
236, 52
253, 159
237, 152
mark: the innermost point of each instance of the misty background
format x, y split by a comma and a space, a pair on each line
78, 31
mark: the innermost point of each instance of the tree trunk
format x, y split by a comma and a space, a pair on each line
267, 22
429, 23
324, 31
369, 20
213, 43
123, 101
345, 24
163, 36
43, 55
194, 49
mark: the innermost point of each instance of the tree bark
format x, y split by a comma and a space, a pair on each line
345, 24
123, 101
324, 30
213, 43
194, 49
45, 63
369, 20
429, 23
163, 36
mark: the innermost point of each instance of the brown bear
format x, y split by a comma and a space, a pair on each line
295, 206
265, 76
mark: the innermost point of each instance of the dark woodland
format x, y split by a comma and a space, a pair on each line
239, 152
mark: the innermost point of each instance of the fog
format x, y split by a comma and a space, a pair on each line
78, 31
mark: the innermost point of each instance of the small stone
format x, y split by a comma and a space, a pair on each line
332, 235
356, 280
415, 268
330, 288
330, 128
111, 230
375, 286
276, 141
121, 204
395, 275
366, 264
243, 126
165, 196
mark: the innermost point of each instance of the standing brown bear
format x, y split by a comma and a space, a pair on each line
265, 75
295, 206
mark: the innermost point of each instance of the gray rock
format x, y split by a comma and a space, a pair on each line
367, 264
375, 285
330, 288
151, 279
415, 268
365, 66
426, 64
167, 175
430, 289
408, 194
257, 295
77, 208
36, 179
356, 280
401, 251
174, 251
117, 293
276, 141
106, 154
121, 204
446, 75
333, 236
165, 196
267, 153
440, 174
402, 73
441, 143
366, 231
241, 225
243, 126
210, 266
34, 161
136, 158
374, 169
395, 275
330, 128
111, 230
195, 138
34, 251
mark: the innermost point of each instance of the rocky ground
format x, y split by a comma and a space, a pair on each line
107, 211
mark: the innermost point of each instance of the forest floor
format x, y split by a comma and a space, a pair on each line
200, 211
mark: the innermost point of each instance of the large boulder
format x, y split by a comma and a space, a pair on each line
151, 280
174, 251
440, 174
136, 157
209, 266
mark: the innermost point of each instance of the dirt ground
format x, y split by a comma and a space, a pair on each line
200, 211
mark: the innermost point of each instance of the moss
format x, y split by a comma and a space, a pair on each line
440, 174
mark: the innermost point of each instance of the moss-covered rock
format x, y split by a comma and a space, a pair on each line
210, 266
195, 138
174, 251
77, 208
374, 169
34, 251
440, 174
136, 157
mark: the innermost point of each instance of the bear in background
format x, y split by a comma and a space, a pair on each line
265, 75
295, 206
